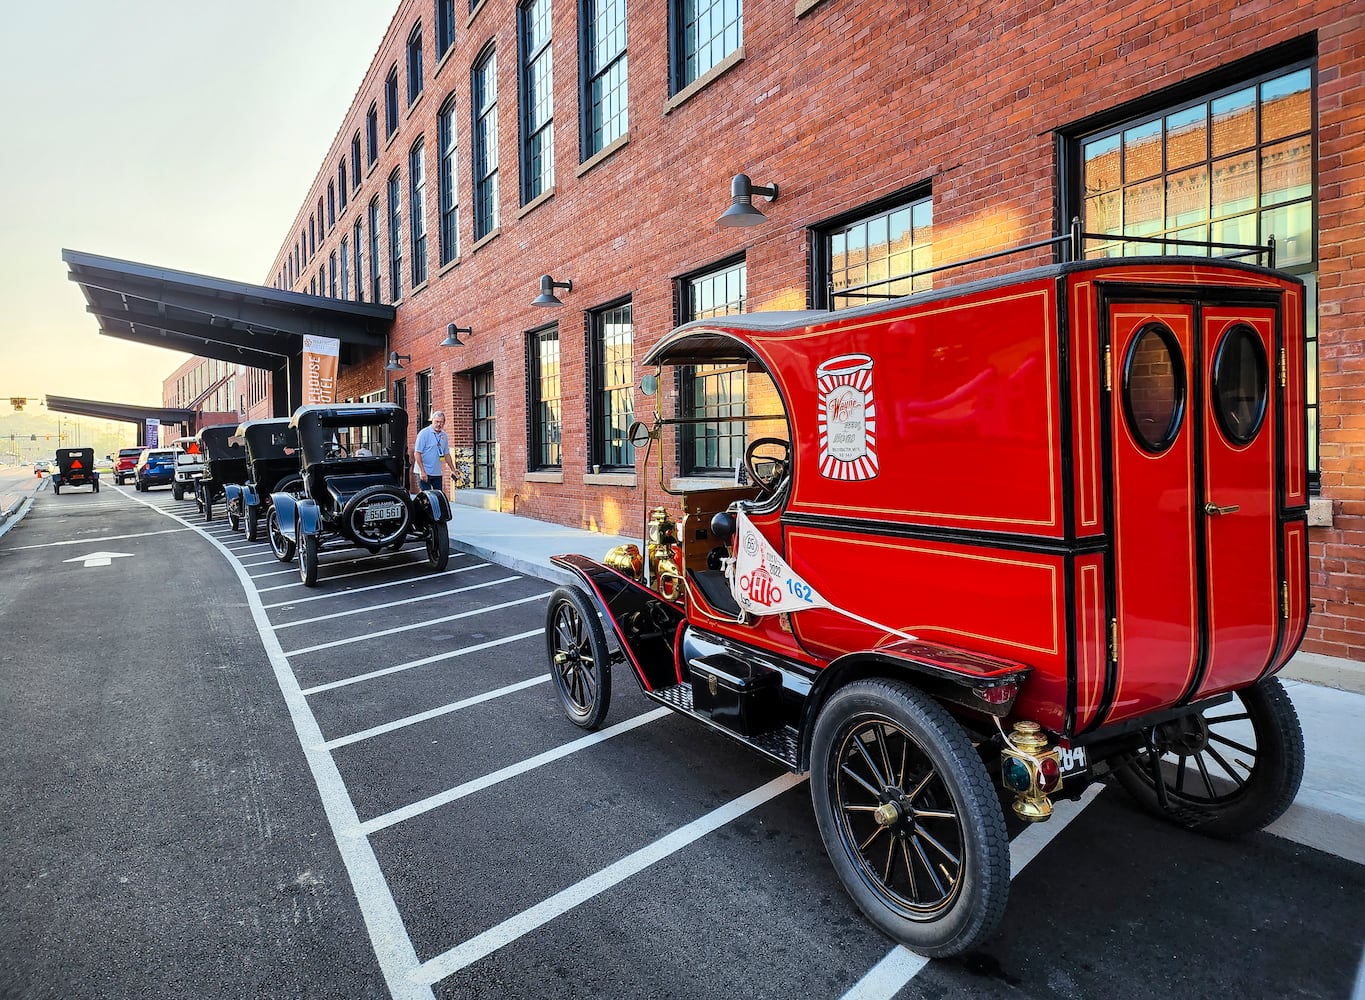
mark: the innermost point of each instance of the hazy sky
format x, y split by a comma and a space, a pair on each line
177, 133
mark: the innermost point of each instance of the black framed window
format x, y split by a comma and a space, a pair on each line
605, 94
322, 233
372, 134
544, 411
612, 392
331, 205
376, 287
400, 393
332, 274
423, 384
416, 79
484, 91
1231, 164
395, 237
322, 279
537, 99
445, 26
704, 33
312, 236
449, 188
712, 393
357, 243
344, 262
869, 256
355, 161
485, 429
391, 102
417, 209
341, 184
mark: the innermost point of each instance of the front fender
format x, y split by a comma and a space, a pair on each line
250, 497
286, 512
310, 518
232, 492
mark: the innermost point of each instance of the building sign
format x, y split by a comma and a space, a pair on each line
320, 370
153, 439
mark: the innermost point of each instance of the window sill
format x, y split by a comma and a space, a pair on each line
535, 203
804, 7
1319, 512
609, 479
417, 288
705, 80
545, 477
475, 12
414, 104
441, 63
696, 483
389, 139
488, 238
449, 265
601, 155
370, 169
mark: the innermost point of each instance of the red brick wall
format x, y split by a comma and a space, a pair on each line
848, 104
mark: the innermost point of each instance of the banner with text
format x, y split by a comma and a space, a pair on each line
153, 438
320, 370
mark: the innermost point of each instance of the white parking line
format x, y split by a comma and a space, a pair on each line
388, 819
397, 604
426, 624
359, 678
452, 961
435, 713
402, 582
344, 576
338, 563
889, 976
106, 538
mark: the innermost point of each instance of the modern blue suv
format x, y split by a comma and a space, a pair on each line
155, 467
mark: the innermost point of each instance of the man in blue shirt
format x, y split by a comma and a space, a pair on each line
432, 448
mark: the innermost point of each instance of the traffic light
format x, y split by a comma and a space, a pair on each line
18, 402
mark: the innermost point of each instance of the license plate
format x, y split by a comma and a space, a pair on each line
1072, 759
383, 512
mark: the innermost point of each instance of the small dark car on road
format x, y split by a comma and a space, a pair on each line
75, 467
354, 489
272, 466
155, 467
224, 463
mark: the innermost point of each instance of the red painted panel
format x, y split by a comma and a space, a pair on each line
1086, 392
1092, 638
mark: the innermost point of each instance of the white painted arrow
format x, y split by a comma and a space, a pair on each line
100, 558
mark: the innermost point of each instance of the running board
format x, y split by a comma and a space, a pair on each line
781, 745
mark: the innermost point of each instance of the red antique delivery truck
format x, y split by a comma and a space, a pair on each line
1019, 533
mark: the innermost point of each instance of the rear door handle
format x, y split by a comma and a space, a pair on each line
1212, 509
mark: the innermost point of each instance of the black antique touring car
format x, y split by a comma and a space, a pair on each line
224, 463
272, 466
75, 467
354, 493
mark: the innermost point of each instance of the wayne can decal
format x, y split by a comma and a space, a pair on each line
848, 418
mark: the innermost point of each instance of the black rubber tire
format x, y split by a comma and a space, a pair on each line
1256, 794
580, 662
352, 524
438, 546
177, 492
280, 543
945, 810
308, 560
208, 508
291, 483
253, 522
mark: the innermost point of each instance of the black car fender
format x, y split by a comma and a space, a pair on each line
431, 506
232, 492
250, 498
309, 518
286, 512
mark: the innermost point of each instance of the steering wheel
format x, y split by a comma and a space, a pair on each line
780, 465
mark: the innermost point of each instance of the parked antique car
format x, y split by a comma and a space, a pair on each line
272, 466
224, 461
189, 466
75, 467
352, 459
1043, 527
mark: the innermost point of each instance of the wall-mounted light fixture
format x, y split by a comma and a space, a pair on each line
741, 211
453, 335
394, 359
547, 295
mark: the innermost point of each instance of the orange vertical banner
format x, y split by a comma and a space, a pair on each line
320, 370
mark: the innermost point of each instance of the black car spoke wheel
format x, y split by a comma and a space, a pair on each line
909, 817
438, 546
279, 541
308, 560
234, 516
253, 522
580, 661
1229, 771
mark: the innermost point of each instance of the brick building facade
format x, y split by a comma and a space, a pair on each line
595, 141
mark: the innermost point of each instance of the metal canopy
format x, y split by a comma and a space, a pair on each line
228, 321
118, 411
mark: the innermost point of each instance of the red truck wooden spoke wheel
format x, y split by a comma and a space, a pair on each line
1230, 771
909, 816
579, 658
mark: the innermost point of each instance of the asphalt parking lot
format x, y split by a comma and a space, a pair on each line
462, 839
